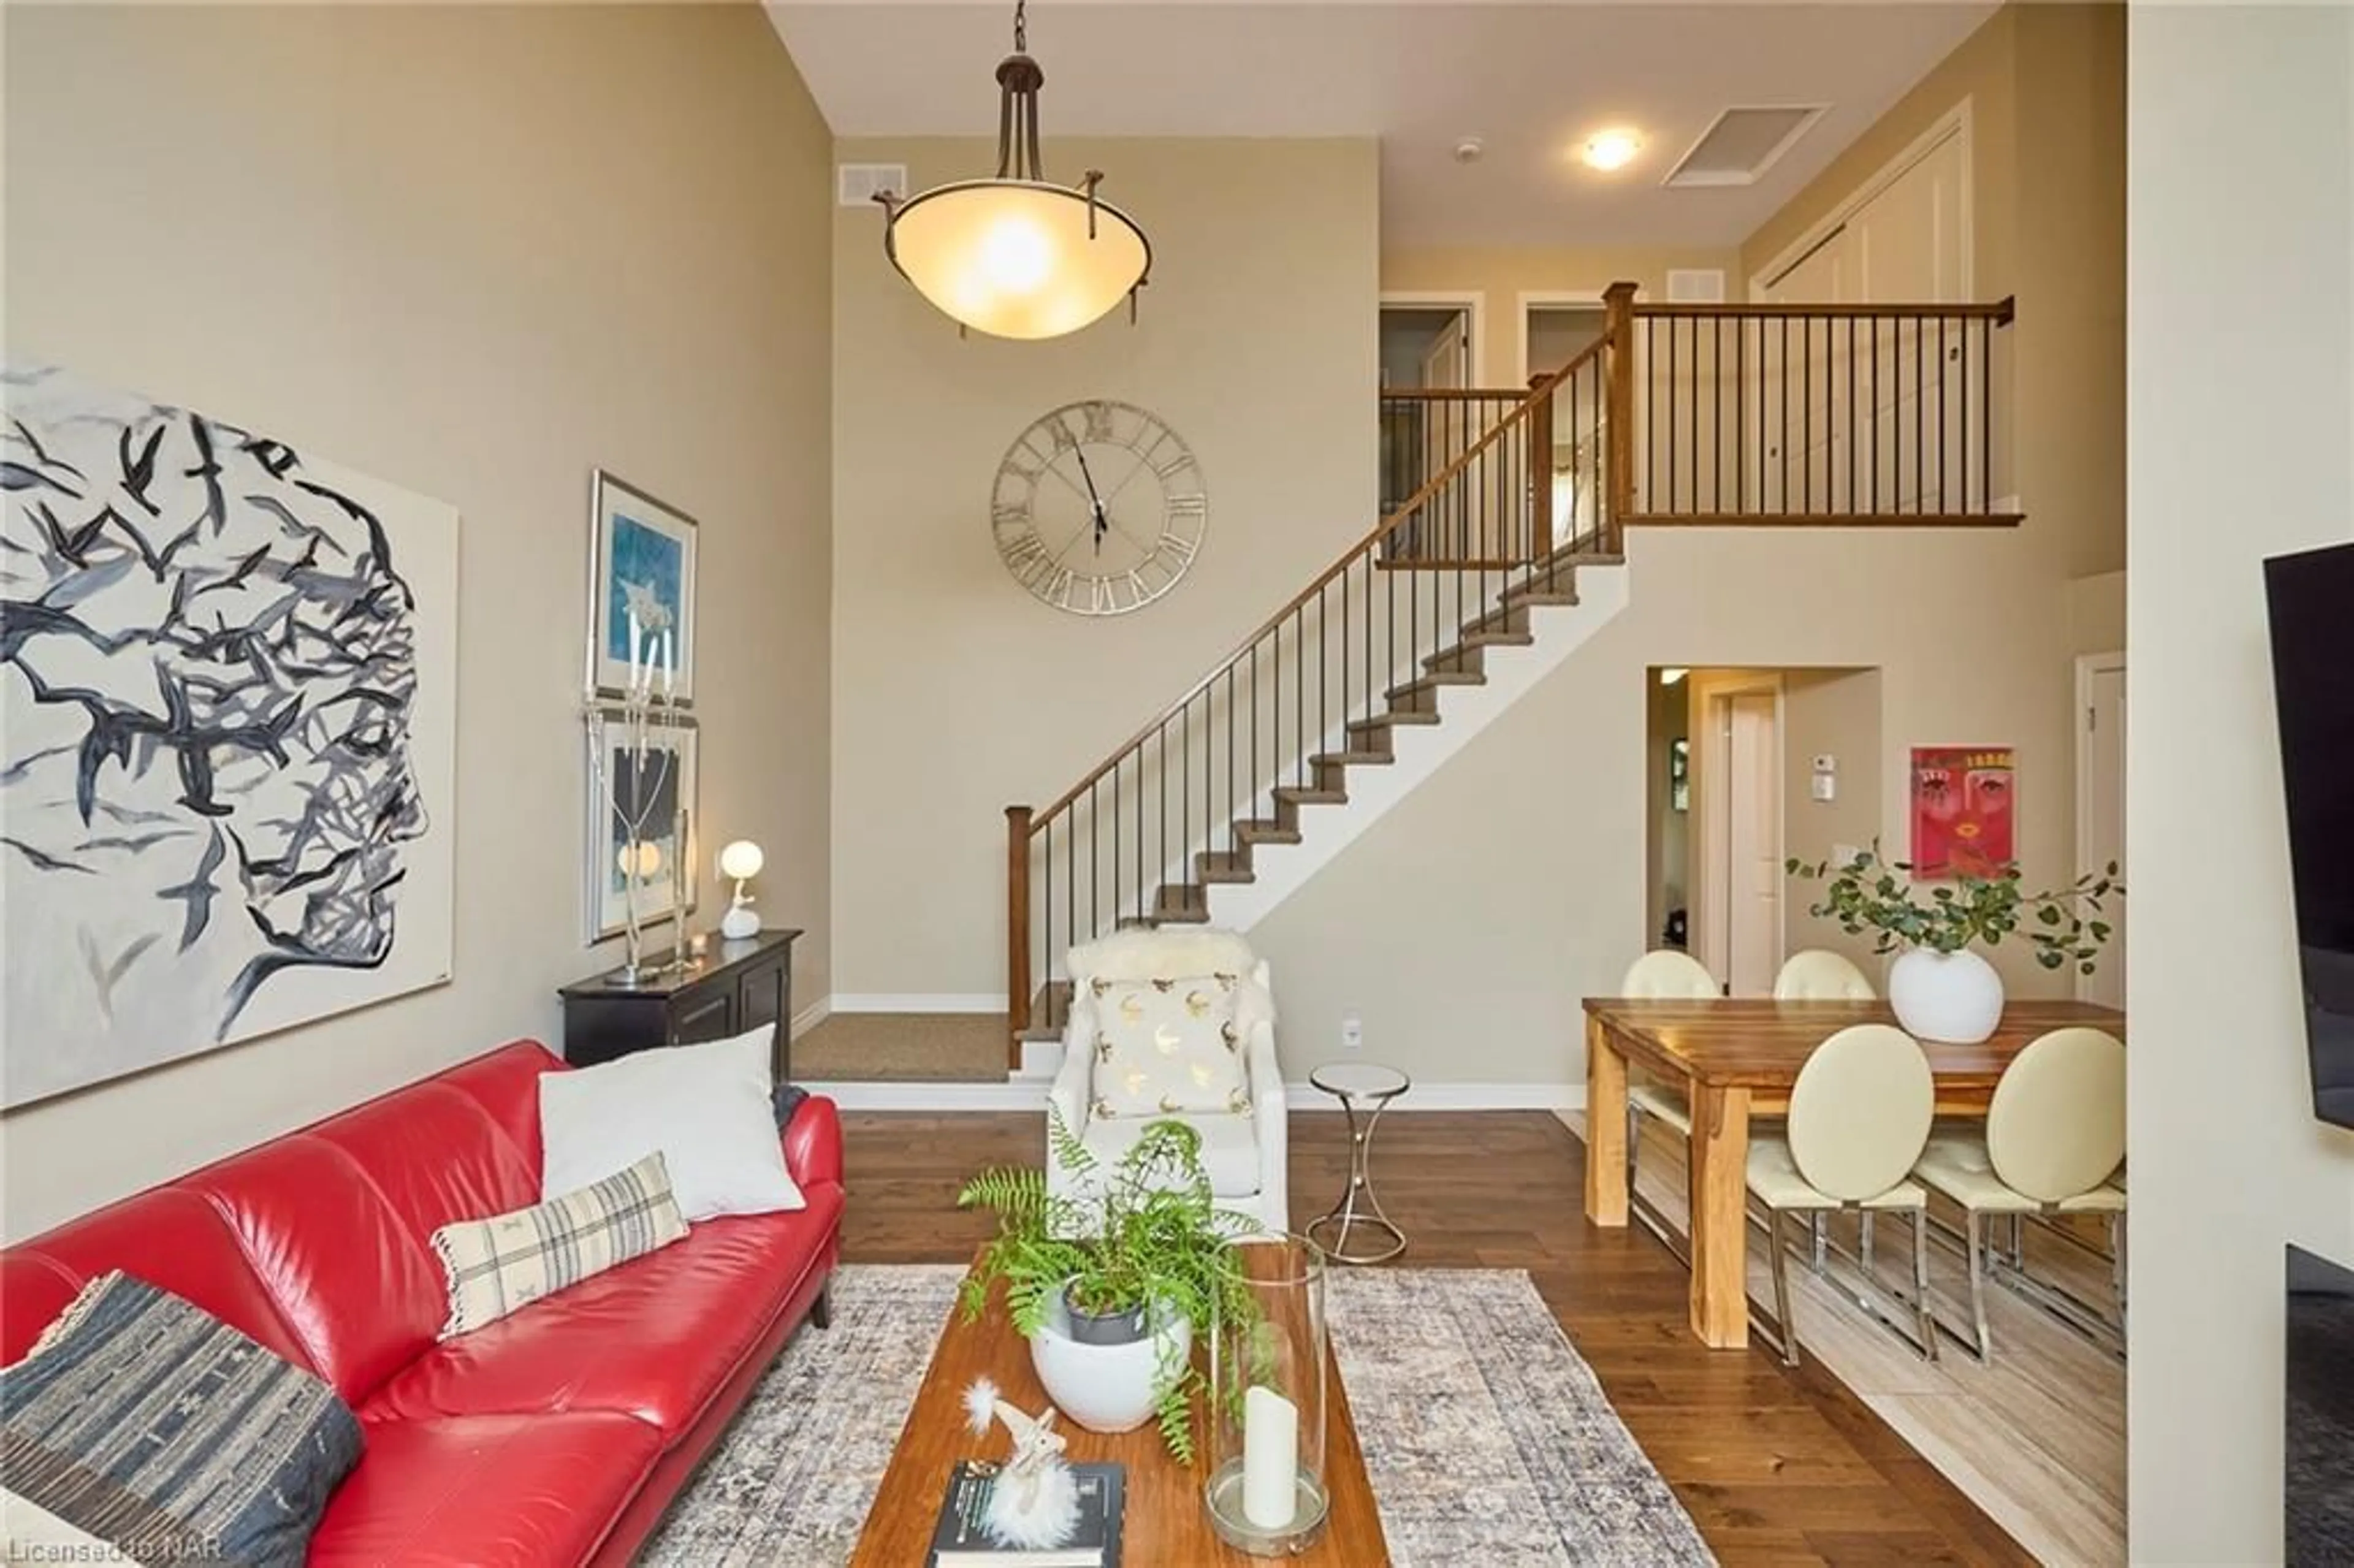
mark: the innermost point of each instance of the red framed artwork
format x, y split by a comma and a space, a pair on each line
1963, 803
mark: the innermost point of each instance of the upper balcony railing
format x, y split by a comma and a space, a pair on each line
1491, 499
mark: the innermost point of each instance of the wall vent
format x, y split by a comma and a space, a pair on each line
1742, 144
857, 185
1695, 286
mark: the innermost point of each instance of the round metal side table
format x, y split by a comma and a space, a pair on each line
1364, 1091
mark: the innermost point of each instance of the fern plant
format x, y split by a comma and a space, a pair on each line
1142, 1232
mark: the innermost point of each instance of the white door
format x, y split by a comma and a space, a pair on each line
1752, 843
1446, 363
2100, 810
1871, 417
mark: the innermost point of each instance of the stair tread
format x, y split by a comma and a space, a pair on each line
1265, 832
1437, 680
1352, 760
1308, 796
1402, 716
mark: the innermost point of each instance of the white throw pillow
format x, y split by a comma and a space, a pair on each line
1166, 1046
706, 1110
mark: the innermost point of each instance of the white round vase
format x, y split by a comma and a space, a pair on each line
1955, 999
1106, 1388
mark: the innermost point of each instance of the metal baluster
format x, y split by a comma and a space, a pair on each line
1942, 503
1852, 415
1986, 415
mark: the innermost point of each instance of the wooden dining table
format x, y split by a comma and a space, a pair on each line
1738, 1057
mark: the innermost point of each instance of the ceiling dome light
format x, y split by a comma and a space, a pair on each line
1014, 256
1609, 150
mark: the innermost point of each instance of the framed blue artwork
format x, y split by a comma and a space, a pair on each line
640, 593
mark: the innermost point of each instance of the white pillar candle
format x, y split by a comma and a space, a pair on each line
634, 638
1270, 1457
670, 660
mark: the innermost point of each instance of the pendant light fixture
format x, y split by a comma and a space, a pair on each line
1015, 256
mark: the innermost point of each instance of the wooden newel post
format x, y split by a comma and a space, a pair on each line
1017, 930
1541, 471
1618, 300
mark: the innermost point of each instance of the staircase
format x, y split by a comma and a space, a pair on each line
1487, 575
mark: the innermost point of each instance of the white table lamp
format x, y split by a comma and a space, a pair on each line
742, 860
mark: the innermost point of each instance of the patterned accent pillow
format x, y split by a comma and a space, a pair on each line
146, 1423
501, 1264
1168, 1046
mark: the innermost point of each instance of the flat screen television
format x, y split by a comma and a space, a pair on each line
2311, 597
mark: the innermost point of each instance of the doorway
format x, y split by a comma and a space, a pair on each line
1783, 763
1428, 343
1555, 329
2100, 808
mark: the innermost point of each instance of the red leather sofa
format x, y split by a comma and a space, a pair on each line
557, 1436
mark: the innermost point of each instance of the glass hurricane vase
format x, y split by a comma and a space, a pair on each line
1266, 1493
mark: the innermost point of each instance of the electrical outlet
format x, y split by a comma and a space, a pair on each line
1352, 1032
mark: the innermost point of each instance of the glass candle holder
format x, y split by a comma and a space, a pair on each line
1266, 1494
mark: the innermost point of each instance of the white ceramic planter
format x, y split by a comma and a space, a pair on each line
1106, 1388
1955, 999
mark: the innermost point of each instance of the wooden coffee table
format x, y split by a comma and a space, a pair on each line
1164, 1523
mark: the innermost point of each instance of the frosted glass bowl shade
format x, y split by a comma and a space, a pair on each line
1014, 258
741, 860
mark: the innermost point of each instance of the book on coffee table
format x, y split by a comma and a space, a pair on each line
960, 1541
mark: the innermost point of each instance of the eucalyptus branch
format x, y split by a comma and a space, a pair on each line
1869, 896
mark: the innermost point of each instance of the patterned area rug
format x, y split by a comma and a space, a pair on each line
1486, 1436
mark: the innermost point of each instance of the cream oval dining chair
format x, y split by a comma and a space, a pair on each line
1821, 975
1859, 1116
2055, 1135
1664, 975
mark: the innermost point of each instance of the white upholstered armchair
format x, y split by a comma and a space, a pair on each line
1176, 1023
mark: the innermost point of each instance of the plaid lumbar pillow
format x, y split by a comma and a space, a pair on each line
508, 1261
145, 1424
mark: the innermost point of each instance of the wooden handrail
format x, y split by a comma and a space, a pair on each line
1455, 394
2001, 312
1388, 525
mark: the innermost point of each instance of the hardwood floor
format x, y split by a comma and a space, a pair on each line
1776, 1467
2036, 1436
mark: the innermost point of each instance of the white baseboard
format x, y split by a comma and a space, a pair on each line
1455, 1097
810, 1017
920, 1001
1028, 1093
1041, 1059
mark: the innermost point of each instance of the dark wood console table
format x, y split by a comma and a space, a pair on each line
729, 987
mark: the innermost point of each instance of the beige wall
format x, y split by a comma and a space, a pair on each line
956, 694
2228, 1163
2046, 89
475, 251
1501, 275
2096, 613
1834, 712
1466, 924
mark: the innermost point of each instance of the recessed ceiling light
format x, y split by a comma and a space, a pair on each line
1608, 150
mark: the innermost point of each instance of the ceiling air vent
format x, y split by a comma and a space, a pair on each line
857, 185
1743, 145
1695, 286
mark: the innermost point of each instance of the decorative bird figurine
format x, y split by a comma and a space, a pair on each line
1034, 1502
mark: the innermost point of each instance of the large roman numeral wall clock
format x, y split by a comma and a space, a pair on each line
1098, 508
